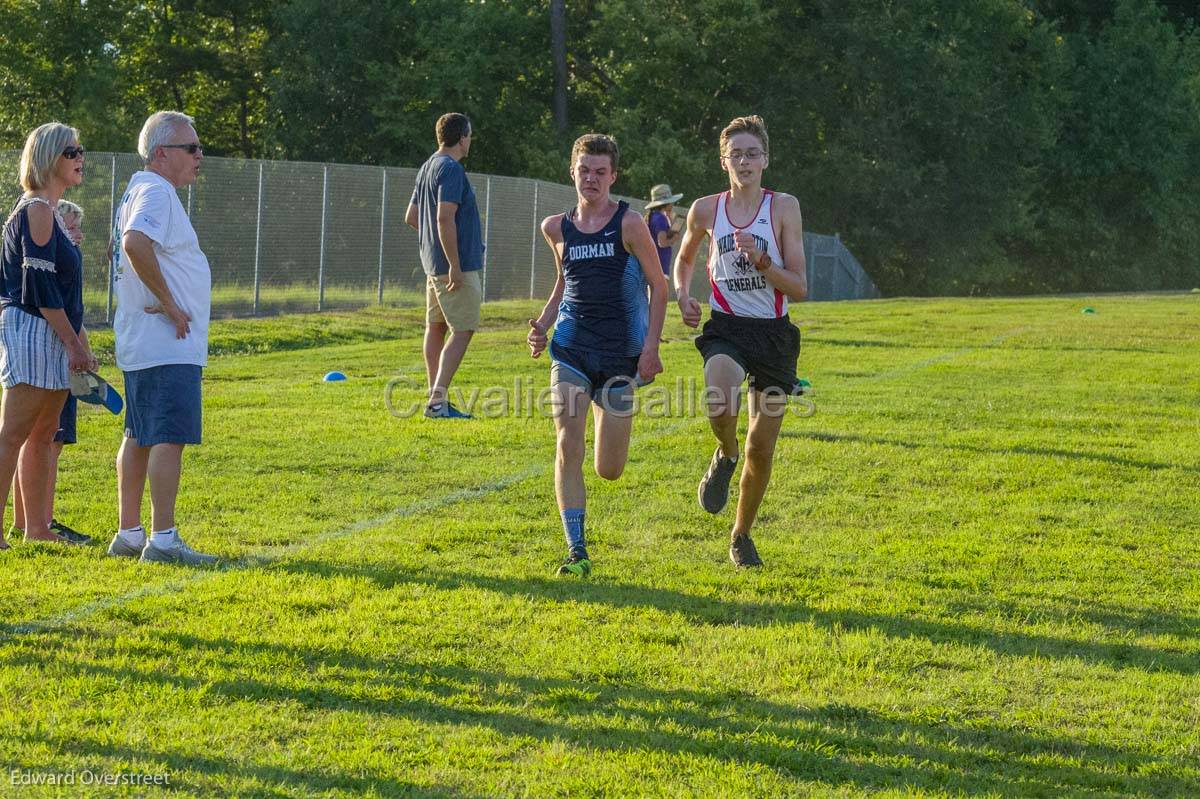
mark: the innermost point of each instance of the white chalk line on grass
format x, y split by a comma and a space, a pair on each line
265, 556
947, 356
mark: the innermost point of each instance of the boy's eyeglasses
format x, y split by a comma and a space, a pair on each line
749, 155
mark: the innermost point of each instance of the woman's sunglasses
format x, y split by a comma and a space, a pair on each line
73, 153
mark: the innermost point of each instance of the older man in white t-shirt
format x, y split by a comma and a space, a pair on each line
164, 290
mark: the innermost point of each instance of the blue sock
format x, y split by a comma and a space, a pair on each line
572, 519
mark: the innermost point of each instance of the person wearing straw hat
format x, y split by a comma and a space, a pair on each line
660, 217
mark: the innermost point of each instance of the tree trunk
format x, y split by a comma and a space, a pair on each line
558, 48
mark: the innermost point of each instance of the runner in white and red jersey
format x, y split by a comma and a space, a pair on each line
755, 265
738, 288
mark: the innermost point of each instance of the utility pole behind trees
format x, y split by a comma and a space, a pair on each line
558, 49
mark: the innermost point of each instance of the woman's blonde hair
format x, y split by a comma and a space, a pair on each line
66, 209
43, 147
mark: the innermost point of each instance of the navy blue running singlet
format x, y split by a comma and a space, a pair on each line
604, 308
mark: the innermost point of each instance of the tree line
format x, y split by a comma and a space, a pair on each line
997, 146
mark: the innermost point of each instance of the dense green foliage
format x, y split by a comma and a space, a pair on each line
996, 146
981, 578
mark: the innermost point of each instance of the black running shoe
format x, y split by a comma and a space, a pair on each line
71, 535
742, 552
444, 410
577, 563
713, 492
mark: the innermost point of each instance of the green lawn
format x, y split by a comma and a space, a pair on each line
231, 299
982, 578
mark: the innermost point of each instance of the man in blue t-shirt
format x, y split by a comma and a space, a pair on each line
445, 215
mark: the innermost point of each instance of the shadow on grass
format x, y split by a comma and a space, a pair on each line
713, 611
1138, 621
836, 744
1045, 452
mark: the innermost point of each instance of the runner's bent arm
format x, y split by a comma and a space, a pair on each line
790, 277
637, 240
538, 328
685, 262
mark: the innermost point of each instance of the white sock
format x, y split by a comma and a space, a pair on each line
133, 535
165, 538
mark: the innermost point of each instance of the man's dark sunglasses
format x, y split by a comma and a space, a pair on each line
191, 149
72, 153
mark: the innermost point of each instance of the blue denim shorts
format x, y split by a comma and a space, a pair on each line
162, 405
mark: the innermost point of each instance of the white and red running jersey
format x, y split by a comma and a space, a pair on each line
737, 287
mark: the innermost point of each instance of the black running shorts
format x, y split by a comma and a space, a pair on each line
766, 348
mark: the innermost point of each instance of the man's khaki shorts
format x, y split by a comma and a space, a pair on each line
459, 308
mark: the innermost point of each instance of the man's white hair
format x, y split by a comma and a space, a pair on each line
158, 130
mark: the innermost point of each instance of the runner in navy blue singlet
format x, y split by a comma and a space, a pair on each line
603, 315
606, 333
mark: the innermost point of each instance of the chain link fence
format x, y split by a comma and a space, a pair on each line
285, 236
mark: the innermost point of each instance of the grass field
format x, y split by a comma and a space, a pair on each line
982, 579
229, 299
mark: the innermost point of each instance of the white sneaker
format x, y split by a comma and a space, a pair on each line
178, 552
122, 548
